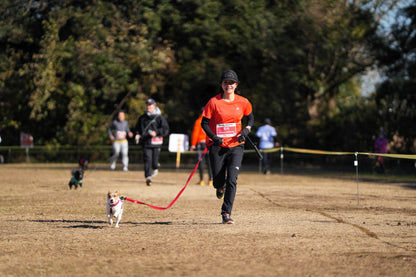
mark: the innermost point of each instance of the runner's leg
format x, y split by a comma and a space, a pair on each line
116, 153
235, 158
147, 160
125, 154
217, 158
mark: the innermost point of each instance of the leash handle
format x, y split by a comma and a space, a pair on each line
255, 147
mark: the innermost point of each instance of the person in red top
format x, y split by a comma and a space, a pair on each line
198, 143
380, 146
221, 121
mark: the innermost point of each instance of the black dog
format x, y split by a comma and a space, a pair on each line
76, 179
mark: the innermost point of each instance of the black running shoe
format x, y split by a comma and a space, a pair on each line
149, 182
220, 193
226, 219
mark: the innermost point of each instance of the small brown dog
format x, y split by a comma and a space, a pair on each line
115, 206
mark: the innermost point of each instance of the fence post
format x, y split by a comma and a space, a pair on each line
356, 174
27, 155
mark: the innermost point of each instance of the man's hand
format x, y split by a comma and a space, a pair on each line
137, 138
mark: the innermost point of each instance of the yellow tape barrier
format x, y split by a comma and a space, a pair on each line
322, 152
310, 151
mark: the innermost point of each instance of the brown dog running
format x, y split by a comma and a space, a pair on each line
115, 207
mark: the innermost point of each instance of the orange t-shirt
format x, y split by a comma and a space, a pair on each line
225, 117
198, 134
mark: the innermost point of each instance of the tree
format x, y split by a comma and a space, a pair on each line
396, 96
91, 59
74, 63
19, 29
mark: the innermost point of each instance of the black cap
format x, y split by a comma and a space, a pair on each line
267, 121
229, 75
150, 101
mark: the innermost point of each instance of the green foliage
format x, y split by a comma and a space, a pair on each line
396, 96
291, 56
93, 59
66, 67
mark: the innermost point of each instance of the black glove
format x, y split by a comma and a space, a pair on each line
243, 134
217, 140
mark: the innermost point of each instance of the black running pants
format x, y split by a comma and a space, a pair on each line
226, 164
150, 159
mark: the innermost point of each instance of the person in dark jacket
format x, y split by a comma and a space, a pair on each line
150, 129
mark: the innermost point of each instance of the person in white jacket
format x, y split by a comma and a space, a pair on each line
268, 140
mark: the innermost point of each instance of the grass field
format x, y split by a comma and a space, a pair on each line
290, 225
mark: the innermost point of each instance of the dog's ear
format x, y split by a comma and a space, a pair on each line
108, 194
117, 192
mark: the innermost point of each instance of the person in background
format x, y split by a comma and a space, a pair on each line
380, 146
150, 129
198, 139
118, 132
221, 121
268, 140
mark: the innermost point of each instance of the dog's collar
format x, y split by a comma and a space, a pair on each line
112, 206
115, 204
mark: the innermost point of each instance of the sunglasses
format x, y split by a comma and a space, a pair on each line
228, 83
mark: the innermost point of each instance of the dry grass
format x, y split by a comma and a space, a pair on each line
285, 226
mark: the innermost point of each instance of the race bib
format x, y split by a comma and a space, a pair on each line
157, 141
227, 130
121, 135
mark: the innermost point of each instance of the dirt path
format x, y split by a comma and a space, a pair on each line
285, 226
